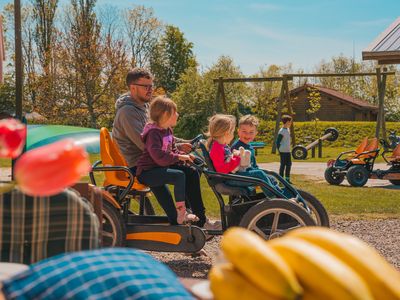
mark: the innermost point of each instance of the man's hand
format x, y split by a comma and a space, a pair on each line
184, 147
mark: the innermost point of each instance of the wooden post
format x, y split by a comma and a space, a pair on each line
380, 123
217, 101
18, 60
378, 117
223, 97
290, 111
319, 148
383, 119
278, 115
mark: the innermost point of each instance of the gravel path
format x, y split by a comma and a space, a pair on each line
383, 234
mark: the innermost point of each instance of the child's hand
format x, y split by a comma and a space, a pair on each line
236, 152
184, 147
185, 157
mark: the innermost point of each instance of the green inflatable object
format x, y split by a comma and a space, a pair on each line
40, 135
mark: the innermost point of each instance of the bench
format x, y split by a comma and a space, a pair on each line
257, 145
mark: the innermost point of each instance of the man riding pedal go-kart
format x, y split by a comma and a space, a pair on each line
269, 216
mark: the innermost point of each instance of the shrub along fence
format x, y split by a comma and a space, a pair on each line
350, 133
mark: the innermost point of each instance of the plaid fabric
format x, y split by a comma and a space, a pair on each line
110, 273
34, 228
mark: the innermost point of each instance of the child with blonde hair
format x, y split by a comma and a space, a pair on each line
162, 163
221, 130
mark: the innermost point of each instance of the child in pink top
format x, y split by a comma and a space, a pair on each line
221, 132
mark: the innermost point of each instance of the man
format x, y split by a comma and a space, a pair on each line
131, 117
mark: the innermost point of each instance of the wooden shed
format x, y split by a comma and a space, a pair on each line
335, 105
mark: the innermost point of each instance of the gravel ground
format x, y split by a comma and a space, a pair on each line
383, 234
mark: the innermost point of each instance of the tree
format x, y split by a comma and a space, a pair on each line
143, 30
196, 95
90, 63
170, 58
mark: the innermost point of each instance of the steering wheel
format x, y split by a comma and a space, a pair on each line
194, 142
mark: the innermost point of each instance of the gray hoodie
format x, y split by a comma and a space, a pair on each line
129, 122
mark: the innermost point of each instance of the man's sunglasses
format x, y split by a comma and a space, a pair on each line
147, 86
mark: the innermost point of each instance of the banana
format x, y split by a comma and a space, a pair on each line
382, 278
321, 274
227, 283
258, 262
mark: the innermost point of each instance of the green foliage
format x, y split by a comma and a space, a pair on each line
196, 97
350, 133
7, 95
170, 58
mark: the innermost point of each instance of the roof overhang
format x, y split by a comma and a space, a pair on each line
386, 47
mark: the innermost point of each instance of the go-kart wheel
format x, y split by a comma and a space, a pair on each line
299, 152
357, 175
334, 134
395, 182
114, 230
318, 211
273, 218
332, 177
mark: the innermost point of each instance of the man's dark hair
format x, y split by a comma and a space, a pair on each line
286, 118
136, 74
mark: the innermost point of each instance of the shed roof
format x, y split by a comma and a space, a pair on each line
362, 104
386, 47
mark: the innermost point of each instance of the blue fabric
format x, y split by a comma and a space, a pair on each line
111, 273
260, 174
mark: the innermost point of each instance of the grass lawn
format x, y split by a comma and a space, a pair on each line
338, 200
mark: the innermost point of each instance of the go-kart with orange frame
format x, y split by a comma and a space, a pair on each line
269, 216
358, 165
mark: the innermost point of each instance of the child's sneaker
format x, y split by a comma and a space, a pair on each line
183, 216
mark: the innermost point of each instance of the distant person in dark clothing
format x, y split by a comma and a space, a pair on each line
284, 148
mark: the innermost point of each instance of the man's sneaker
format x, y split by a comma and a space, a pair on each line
212, 225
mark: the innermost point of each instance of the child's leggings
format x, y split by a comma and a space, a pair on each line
257, 173
186, 183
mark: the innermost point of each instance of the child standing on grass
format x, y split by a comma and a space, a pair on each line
284, 148
221, 130
162, 163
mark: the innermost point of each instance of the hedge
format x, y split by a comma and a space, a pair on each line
350, 133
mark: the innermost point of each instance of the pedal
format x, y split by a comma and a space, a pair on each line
165, 238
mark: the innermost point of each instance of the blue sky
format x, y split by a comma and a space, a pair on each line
261, 33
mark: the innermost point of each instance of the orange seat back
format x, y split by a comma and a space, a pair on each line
396, 153
110, 157
373, 145
362, 146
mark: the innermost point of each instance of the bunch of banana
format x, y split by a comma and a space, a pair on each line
382, 279
322, 275
254, 270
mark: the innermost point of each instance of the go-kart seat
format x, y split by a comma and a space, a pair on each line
221, 187
360, 148
372, 146
395, 157
112, 157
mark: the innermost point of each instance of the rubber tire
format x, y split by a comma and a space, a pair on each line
321, 215
271, 204
335, 134
112, 217
356, 171
331, 179
299, 152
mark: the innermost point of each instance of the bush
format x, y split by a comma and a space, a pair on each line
350, 133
